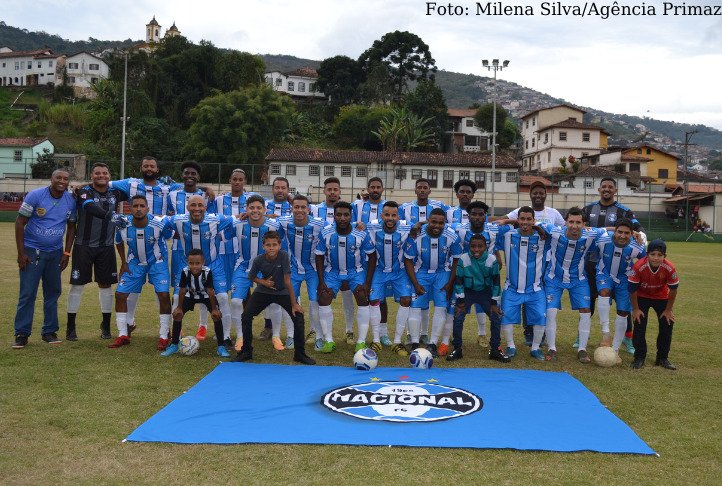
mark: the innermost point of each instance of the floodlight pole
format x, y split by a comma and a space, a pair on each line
687, 138
494, 66
125, 118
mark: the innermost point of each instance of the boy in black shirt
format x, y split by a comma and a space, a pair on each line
271, 272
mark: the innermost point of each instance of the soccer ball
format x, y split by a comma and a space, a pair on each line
605, 357
365, 359
188, 345
421, 358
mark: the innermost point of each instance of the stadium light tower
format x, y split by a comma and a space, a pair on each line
494, 66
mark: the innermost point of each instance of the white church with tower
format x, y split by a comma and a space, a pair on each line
153, 35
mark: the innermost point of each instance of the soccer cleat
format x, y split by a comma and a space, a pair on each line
238, 345
583, 356
537, 354
201, 334
576, 343
376, 347
498, 355
360, 346
266, 334
454, 355
350, 339
303, 358
71, 335
400, 350
162, 344
386, 341
628, 343
223, 352
433, 350
424, 339
551, 355
311, 337
228, 344
243, 356
120, 341
318, 344
637, 364
51, 338
20, 341
664, 363
443, 349
511, 352
277, 343
170, 350
482, 341
328, 347
105, 334
289, 343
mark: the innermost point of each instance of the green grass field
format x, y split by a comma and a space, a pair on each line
65, 410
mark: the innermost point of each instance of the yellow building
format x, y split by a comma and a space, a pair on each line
662, 166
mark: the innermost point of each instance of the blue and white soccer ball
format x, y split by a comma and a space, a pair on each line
188, 345
365, 359
421, 358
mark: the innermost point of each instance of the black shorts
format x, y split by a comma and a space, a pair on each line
189, 304
86, 258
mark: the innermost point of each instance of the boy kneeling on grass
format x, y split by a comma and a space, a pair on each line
271, 272
196, 287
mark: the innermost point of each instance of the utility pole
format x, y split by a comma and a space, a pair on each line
494, 66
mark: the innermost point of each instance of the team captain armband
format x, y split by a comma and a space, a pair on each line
26, 209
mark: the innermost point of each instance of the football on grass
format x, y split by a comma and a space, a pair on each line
365, 359
421, 358
188, 345
605, 357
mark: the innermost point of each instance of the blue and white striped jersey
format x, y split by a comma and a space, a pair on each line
344, 253
566, 257
177, 200
616, 261
301, 242
322, 212
465, 233
389, 246
431, 255
278, 208
524, 258
146, 245
457, 215
366, 211
205, 235
229, 205
157, 195
412, 213
250, 240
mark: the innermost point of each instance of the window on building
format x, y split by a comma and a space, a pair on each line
416, 174
480, 179
538, 157
464, 174
380, 165
663, 174
291, 86
3, 64
585, 136
311, 87
532, 142
448, 178
649, 151
346, 171
634, 167
275, 169
471, 141
562, 136
72, 65
361, 172
17, 65
314, 170
533, 122
279, 81
301, 87
469, 123
585, 154
40, 64
71, 79
526, 144
497, 176
549, 156
511, 176
329, 170
93, 80
30, 64
588, 184
433, 176
18, 156
546, 138
401, 174
527, 124
639, 150
94, 67
290, 170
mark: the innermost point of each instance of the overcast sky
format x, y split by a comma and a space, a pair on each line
666, 67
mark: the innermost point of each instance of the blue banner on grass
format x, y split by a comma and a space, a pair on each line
472, 408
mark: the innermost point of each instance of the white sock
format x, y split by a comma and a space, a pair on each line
362, 315
481, 323
203, 316
106, 300
74, 295
348, 309
120, 321
275, 313
538, 336
620, 327
425, 322
174, 304
448, 327
585, 326
603, 306
225, 307
164, 329
375, 321
236, 311
402, 317
288, 322
313, 317
325, 316
508, 330
437, 324
383, 328
551, 329
414, 323
132, 304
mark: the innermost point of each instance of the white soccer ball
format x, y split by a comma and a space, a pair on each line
605, 357
365, 359
188, 345
421, 358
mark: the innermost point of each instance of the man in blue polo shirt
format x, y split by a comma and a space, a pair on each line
39, 228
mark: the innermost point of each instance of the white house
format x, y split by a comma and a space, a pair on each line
300, 83
27, 68
83, 70
549, 134
464, 135
629, 163
587, 181
17, 154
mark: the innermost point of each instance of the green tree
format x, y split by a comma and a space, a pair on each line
402, 130
508, 134
377, 86
239, 126
236, 70
407, 57
484, 116
427, 101
153, 136
340, 78
355, 124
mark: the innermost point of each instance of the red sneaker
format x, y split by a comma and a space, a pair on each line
162, 344
443, 349
201, 334
119, 342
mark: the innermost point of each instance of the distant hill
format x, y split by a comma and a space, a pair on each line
23, 40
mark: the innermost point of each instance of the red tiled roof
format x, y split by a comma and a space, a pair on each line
646, 145
633, 158
21, 141
528, 180
570, 123
551, 107
460, 112
33, 53
304, 71
597, 173
503, 160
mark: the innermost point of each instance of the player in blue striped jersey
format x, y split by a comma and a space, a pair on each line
618, 252
249, 233
365, 211
418, 211
341, 257
390, 278
155, 192
568, 247
300, 234
278, 205
465, 190
430, 262
524, 255
147, 258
